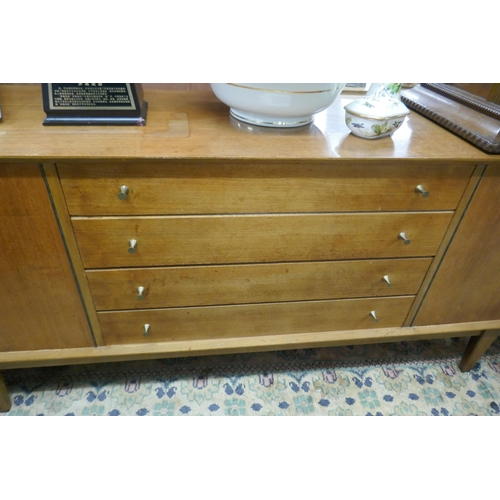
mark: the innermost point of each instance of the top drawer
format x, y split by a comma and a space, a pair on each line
180, 188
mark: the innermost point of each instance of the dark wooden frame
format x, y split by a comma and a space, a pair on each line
471, 117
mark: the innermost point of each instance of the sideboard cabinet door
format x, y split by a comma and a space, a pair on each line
40, 306
466, 287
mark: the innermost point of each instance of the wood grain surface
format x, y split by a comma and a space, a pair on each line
240, 284
218, 322
187, 187
467, 284
184, 240
40, 307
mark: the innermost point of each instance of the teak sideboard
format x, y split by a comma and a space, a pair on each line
197, 234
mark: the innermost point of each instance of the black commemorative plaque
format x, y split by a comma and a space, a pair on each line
94, 104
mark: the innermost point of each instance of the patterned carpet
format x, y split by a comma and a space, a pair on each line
406, 378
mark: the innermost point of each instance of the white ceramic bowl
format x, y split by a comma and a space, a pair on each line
277, 104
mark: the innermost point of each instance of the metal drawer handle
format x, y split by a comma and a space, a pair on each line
122, 195
402, 236
374, 316
146, 330
132, 246
387, 280
421, 189
140, 293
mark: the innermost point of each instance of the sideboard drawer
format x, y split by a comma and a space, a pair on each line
192, 323
171, 188
146, 288
164, 241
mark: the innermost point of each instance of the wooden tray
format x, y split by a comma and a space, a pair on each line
473, 118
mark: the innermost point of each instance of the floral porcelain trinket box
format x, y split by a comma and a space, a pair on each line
378, 114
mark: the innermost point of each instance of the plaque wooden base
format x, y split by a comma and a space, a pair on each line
94, 104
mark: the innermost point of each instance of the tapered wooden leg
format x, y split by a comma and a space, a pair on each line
476, 347
5, 403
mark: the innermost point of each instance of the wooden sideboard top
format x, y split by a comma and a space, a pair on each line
195, 124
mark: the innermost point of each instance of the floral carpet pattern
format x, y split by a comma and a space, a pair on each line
419, 378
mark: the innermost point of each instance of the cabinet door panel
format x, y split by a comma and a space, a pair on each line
40, 306
467, 285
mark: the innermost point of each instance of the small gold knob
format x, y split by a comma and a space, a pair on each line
122, 195
387, 280
374, 316
140, 293
132, 246
421, 189
146, 330
402, 236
